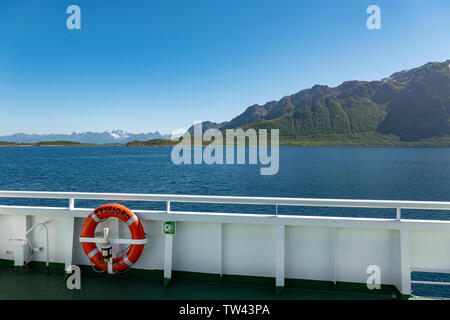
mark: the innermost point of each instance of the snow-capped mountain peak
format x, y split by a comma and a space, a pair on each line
119, 134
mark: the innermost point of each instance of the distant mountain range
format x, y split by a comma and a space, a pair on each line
115, 136
410, 105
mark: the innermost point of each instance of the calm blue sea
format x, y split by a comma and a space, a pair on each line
307, 172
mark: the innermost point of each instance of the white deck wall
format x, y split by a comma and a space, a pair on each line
315, 248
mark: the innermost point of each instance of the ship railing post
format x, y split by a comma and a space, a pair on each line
168, 244
71, 204
70, 234
280, 259
221, 250
333, 262
405, 260
405, 263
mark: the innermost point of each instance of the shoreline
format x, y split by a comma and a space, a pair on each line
281, 145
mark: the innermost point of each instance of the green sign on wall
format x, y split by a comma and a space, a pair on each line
168, 227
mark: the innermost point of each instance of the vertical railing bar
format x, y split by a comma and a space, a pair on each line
405, 262
399, 214
280, 258
70, 231
71, 204
221, 249
168, 252
335, 255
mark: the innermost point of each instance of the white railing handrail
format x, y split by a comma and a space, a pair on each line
305, 202
401, 244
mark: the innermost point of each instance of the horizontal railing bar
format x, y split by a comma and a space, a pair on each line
431, 282
347, 203
240, 218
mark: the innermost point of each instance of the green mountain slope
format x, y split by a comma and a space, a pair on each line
409, 106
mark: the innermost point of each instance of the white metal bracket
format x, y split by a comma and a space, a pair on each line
114, 240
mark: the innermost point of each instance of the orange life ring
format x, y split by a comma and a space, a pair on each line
137, 233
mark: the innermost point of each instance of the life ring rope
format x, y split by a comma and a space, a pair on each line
136, 243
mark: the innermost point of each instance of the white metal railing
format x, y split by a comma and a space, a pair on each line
305, 202
397, 223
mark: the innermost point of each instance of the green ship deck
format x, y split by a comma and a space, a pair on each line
34, 284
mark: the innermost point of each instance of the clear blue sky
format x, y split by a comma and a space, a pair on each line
160, 65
